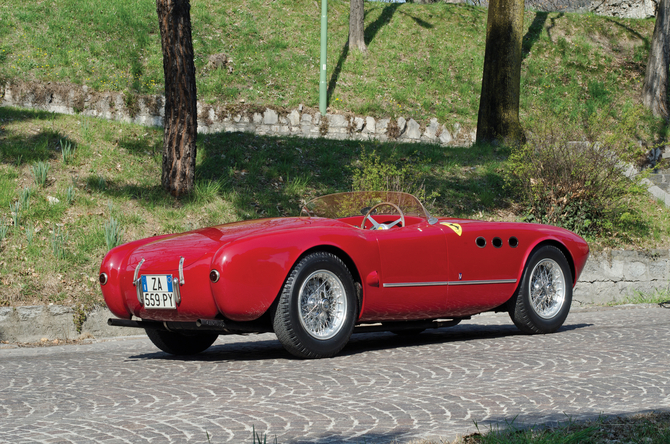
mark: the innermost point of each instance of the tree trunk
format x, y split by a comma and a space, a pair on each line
655, 88
181, 124
356, 25
501, 82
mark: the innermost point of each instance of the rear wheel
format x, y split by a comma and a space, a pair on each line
543, 300
317, 308
181, 343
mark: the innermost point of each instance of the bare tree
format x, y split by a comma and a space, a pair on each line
501, 82
655, 87
181, 124
356, 25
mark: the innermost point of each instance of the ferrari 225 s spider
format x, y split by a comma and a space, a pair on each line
353, 262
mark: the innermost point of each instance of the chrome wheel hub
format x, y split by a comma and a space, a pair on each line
547, 288
322, 304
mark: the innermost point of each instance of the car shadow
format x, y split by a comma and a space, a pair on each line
364, 342
359, 343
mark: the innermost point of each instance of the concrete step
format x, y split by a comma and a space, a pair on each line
661, 180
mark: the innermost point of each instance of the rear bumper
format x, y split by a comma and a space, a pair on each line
211, 325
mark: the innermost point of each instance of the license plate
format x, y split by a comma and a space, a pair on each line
158, 292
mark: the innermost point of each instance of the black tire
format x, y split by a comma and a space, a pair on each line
181, 343
299, 311
543, 310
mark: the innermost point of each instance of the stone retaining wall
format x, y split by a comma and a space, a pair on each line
149, 110
607, 278
613, 276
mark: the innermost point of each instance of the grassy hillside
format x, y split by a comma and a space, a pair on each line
423, 60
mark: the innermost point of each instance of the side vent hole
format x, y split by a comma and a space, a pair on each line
497, 242
513, 242
481, 242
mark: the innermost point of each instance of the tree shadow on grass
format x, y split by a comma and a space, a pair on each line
424, 24
645, 39
534, 33
41, 145
270, 176
369, 34
384, 19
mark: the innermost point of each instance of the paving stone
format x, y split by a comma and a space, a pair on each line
380, 388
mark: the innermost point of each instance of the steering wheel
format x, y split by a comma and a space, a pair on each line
378, 226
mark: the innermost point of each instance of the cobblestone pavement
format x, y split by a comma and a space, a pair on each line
381, 388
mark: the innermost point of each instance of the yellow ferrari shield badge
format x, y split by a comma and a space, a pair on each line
457, 228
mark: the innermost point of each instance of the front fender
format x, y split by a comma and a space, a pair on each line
574, 247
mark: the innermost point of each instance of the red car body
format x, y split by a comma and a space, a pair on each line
427, 269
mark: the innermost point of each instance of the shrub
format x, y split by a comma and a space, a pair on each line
58, 241
30, 233
40, 172
24, 198
14, 210
3, 230
67, 151
113, 233
578, 185
70, 194
371, 173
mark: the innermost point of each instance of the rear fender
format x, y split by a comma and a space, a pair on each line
253, 270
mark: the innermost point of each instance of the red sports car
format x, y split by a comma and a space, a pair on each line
354, 262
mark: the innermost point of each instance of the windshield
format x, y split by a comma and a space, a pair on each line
357, 203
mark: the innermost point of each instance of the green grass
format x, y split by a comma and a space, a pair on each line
656, 296
423, 60
647, 428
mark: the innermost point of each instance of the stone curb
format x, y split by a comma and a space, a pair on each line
608, 277
35, 322
631, 172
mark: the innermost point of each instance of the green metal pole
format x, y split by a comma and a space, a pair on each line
323, 91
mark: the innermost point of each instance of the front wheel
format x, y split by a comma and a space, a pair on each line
317, 308
181, 343
543, 300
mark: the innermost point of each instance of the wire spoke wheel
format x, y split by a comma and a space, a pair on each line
547, 288
322, 304
317, 308
543, 299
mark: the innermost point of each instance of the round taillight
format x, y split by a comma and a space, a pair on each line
214, 276
103, 278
